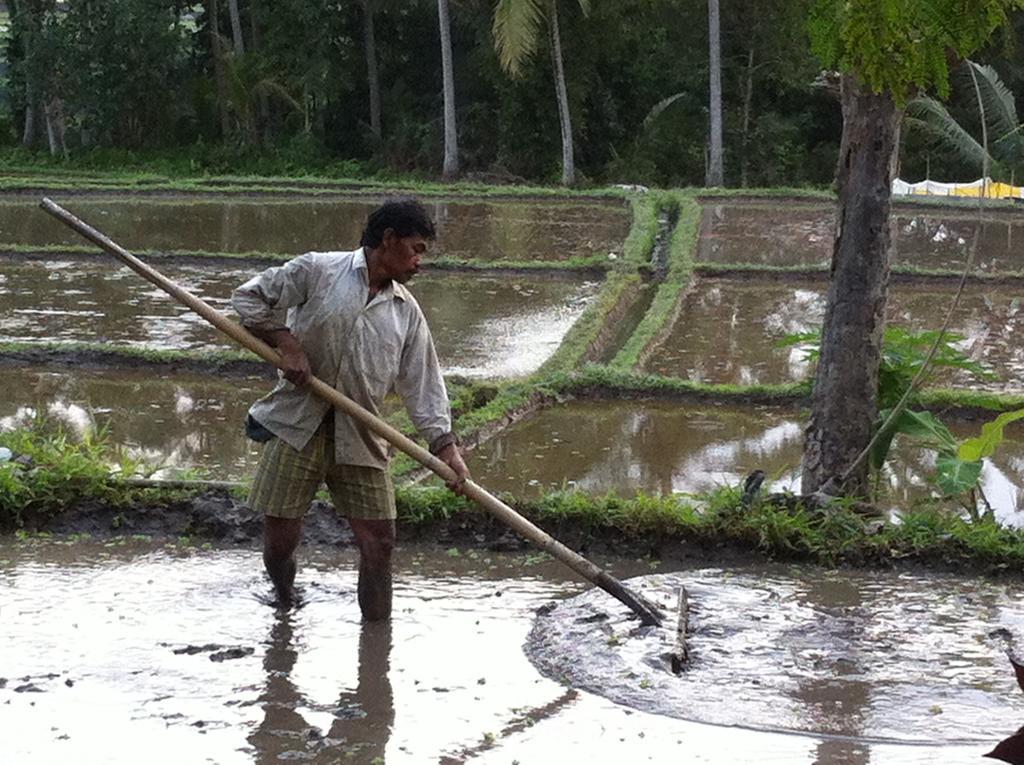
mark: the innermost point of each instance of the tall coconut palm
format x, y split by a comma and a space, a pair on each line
451, 140
516, 30
236, 27
372, 78
715, 174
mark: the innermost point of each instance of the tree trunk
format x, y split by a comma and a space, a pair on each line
568, 158
28, 135
715, 174
31, 126
263, 125
372, 80
236, 27
451, 141
844, 405
213, 13
748, 98
55, 127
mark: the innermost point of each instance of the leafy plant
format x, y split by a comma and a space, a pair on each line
903, 354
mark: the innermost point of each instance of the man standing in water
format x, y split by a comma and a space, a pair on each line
347, 318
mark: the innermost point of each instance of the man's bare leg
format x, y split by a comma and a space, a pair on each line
376, 540
280, 539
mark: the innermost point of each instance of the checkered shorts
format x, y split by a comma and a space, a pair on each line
287, 480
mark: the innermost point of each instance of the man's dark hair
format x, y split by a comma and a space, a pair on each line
403, 215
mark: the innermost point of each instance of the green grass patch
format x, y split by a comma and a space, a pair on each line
821, 271
609, 380
666, 299
931, 536
53, 469
623, 278
131, 354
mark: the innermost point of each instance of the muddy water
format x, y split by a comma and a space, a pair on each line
478, 230
483, 326
661, 448
132, 653
864, 658
729, 332
802, 234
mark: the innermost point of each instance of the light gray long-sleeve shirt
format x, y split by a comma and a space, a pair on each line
365, 350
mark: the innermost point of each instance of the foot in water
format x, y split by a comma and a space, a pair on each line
274, 599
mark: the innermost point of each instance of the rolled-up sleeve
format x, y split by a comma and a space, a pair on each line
421, 385
263, 301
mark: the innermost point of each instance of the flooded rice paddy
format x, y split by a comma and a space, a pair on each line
730, 331
172, 423
802, 233
134, 652
193, 424
483, 326
628, 447
467, 229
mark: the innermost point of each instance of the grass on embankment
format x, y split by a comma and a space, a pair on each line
680, 269
61, 473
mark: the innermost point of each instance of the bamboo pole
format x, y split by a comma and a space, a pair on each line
648, 612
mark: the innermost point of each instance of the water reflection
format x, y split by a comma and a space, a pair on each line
601, 446
661, 449
478, 230
182, 422
730, 332
483, 326
833, 688
363, 716
802, 234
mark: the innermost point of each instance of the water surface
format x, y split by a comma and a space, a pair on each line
770, 233
730, 331
659, 449
483, 326
467, 229
131, 652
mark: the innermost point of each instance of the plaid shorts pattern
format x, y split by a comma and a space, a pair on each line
287, 481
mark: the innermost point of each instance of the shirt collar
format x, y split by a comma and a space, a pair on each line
393, 290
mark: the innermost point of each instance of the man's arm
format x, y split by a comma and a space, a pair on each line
423, 392
295, 365
263, 302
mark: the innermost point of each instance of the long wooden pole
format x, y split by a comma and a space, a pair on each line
647, 612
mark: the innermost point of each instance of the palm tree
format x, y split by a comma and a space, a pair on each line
451, 140
715, 175
998, 110
516, 29
372, 79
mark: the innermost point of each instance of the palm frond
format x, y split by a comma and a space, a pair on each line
659, 107
1000, 109
585, 7
932, 118
273, 88
516, 29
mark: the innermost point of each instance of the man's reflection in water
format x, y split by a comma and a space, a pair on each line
363, 717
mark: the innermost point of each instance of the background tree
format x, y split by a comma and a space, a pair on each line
516, 29
716, 174
887, 50
451, 139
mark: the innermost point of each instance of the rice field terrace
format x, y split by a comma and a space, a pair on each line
618, 364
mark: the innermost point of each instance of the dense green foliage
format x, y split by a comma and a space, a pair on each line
138, 79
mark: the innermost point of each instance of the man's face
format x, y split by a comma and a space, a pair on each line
401, 255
